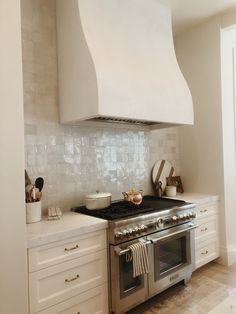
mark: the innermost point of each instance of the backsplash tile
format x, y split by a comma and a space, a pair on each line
77, 160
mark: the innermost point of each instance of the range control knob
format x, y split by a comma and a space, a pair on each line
175, 219
187, 216
181, 217
125, 232
119, 235
192, 215
143, 228
130, 231
160, 223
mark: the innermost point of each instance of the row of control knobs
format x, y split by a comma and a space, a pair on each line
174, 219
131, 231
183, 217
160, 223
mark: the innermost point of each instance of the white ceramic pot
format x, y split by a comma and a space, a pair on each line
97, 200
33, 212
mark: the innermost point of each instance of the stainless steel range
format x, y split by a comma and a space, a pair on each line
166, 227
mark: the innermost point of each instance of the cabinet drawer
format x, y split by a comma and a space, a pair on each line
206, 210
94, 301
55, 284
206, 253
206, 227
61, 251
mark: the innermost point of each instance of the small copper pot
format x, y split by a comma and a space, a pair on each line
134, 197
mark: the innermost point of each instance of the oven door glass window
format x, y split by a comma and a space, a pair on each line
171, 254
128, 284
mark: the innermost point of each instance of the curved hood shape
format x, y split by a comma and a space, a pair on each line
116, 61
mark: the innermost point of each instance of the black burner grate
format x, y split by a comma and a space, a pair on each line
122, 209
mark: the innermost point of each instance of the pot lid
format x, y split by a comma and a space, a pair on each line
98, 195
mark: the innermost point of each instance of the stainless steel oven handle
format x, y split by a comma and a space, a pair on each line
120, 252
173, 234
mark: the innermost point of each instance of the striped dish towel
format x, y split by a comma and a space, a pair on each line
138, 254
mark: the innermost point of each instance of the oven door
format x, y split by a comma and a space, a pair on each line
171, 257
126, 291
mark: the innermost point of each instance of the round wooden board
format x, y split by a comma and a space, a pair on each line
160, 171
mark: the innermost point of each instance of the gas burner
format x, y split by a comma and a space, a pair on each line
117, 210
122, 209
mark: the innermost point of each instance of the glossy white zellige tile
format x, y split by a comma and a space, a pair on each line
77, 160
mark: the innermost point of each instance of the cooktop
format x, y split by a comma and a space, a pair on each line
122, 209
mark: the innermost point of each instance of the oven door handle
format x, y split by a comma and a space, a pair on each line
153, 240
120, 252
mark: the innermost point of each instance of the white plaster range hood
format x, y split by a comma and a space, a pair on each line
116, 62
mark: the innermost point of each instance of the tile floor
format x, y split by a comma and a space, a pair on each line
209, 286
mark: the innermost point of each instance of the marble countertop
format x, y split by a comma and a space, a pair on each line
70, 225
197, 198
73, 224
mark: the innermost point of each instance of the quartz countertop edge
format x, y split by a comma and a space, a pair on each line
197, 198
70, 225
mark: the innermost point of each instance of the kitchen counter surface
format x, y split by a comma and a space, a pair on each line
196, 198
73, 224
70, 225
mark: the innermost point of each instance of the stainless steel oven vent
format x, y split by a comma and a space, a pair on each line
123, 121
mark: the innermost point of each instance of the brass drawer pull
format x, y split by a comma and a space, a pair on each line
72, 279
72, 248
203, 211
204, 253
205, 229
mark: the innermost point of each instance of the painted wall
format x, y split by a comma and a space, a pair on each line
201, 145
13, 271
228, 70
77, 160
207, 149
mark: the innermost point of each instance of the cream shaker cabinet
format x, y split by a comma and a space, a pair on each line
69, 276
207, 233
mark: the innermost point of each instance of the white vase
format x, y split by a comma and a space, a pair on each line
33, 212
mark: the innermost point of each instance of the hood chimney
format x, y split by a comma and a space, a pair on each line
117, 62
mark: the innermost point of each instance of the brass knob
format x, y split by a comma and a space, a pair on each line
72, 248
72, 279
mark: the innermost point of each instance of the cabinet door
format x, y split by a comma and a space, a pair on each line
94, 301
207, 228
61, 251
206, 210
206, 252
55, 284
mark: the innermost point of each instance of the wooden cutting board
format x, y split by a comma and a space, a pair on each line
160, 171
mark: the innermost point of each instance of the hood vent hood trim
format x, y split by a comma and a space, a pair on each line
122, 121
117, 63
